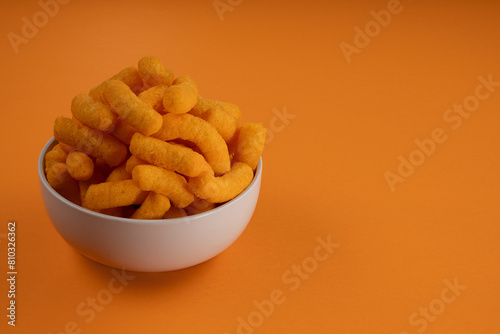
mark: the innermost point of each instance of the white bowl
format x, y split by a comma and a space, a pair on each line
149, 245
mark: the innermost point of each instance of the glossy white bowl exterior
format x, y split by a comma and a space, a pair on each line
149, 245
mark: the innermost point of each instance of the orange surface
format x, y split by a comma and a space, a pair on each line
395, 254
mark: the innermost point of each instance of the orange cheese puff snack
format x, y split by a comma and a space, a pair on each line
198, 206
165, 182
123, 131
112, 194
174, 212
133, 110
154, 73
154, 97
169, 156
93, 113
225, 124
153, 207
57, 175
119, 174
134, 161
200, 132
250, 144
79, 165
91, 141
130, 76
55, 155
181, 96
203, 105
223, 188
59, 178
97, 177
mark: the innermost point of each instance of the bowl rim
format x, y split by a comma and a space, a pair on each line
187, 219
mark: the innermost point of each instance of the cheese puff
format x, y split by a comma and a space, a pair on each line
130, 76
154, 97
91, 141
169, 156
113, 194
250, 144
79, 165
57, 175
59, 179
181, 96
134, 161
154, 73
119, 174
153, 207
223, 188
97, 177
203, 105
55, 155
200, 132
123, 131
93, 113
225, 124
174, 212
165, 182
133, 110
198, 206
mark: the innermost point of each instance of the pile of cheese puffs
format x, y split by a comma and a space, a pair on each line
144, 144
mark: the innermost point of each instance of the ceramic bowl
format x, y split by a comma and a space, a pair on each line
149, 245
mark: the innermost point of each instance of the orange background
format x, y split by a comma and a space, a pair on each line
323, 169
